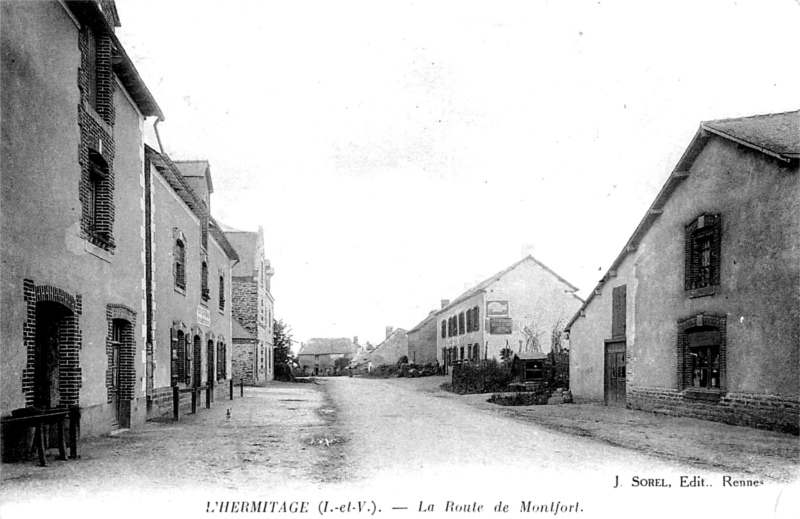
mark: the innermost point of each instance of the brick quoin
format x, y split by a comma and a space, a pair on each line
96, 127
69, 339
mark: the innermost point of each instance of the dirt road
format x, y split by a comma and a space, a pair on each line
409, 437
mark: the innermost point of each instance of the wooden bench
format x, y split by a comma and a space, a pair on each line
49, 417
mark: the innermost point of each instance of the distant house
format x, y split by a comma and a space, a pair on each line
517, 309
318, 356
699, 315
422, 342
392, 349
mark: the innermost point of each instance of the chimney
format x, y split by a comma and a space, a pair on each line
389, 330
445, 302
355, 340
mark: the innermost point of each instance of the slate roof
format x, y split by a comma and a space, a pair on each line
778, 133
239, 331
328, 346
484, 284
422, 323
246, 244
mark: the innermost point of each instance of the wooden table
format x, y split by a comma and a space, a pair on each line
51, 416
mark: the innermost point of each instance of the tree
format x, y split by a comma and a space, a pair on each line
282, 355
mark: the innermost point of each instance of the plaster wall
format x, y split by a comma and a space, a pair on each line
41, 209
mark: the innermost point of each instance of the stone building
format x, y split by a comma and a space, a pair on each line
319, 356
253, 304
392, 349
245, 354
422, 342
698, 315
516, 309
73, 109
188, 280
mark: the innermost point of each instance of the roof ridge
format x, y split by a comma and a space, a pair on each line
728, 119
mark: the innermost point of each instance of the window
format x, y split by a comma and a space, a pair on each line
476, 319
618, 310
91, 68
96, 211
444, 329
703, 247
461, 327
179, 258
178, 357
221, 361
534, 370
221, 292
204, 290
461, 353
701, 353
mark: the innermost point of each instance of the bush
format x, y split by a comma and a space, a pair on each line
526, 398
487, 376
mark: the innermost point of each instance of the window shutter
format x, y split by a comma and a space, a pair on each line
619, 311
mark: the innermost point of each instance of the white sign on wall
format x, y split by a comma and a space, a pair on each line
203, 316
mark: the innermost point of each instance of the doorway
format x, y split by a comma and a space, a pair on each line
614, 381
51, 326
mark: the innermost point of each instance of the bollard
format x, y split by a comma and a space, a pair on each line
231, 389
208, 397
241, 388
176, 403
194, 401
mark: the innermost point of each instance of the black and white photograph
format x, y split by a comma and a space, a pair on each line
404, 259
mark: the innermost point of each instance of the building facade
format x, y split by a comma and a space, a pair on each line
517, 310
189, 269
73, 113
698, 316
253, 304
422, 342
318, 356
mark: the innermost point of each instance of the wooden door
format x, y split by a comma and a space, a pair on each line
116, 342
614, 383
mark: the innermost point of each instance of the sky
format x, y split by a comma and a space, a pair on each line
397, 154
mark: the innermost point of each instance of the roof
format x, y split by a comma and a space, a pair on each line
227, 228
328, 346
776, 133
483, 285
250, 246
362, 357
196, 168
422, 323
239, 331
172, 174
90, 12
389, 337
759, 132
530, 355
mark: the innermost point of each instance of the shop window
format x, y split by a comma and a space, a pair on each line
702, 353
